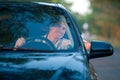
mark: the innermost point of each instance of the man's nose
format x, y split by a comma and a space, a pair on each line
61, 30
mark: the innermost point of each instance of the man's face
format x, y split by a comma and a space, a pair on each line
58, 32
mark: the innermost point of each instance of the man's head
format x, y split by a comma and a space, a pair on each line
57, 30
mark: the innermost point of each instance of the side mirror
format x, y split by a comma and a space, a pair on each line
100, 49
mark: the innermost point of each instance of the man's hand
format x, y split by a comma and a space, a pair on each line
19, 42
87, 45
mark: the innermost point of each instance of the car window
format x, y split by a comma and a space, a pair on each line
40, 27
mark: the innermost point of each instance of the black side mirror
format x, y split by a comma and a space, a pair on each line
100, 49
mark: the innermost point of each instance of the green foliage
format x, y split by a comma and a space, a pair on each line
104, 20
106, 17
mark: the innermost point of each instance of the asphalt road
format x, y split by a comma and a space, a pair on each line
108, 68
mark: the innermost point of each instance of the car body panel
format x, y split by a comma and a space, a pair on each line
49, 66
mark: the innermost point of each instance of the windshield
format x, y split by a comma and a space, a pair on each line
33, 26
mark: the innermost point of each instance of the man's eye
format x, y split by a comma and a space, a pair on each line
63, 28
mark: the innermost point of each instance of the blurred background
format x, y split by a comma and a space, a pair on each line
98, 19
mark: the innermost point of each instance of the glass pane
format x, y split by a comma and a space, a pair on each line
33, 26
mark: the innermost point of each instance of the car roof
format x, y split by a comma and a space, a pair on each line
52, 4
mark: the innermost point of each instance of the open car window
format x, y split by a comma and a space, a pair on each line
32, 22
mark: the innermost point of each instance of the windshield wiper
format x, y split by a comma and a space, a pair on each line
24, 49
33, 50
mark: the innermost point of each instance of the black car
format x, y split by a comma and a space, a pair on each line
38, 58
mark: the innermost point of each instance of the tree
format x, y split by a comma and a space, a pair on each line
106, 17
